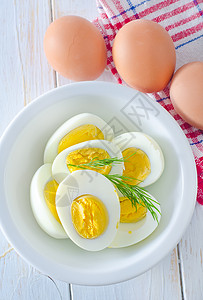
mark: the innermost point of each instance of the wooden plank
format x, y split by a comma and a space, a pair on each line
24, 74
191, 254
163, 281
18, 280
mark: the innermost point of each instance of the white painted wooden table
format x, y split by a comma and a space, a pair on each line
24, 75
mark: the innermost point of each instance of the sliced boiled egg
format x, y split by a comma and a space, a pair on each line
144, 160
80, 128
131, 213
84, 153
135, 224
89, 209
42, 194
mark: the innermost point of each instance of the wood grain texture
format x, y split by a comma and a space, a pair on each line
161, 282
20, 281
191, 255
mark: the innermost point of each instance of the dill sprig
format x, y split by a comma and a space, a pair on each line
136, 194
97, 163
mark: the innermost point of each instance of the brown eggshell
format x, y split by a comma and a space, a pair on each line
144, 55
75, 48
186, 93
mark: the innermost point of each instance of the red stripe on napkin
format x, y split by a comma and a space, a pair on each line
185, 33
182, 22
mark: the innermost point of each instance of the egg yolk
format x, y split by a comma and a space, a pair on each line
49, 196
130, 213
137, 166
80, 134
84, 156
89, 216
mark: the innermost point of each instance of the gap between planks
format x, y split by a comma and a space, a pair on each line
180, 273
52, 4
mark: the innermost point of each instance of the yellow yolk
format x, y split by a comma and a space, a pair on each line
89, 216
80, 134
49, 196
129, 213
137, 166
85, 155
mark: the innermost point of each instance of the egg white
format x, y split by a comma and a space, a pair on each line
88, 182
42, 214
51, 149
60, 169
131, 233
149, 146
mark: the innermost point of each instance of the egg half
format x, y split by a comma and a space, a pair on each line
80, 128
80, 218
84, 153
144, 160
130, 233
42, 194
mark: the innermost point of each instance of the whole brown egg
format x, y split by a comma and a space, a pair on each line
75, 48
186, 93
144, 55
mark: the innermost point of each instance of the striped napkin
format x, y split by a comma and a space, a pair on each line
183, 19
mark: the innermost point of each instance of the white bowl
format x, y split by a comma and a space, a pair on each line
21, 154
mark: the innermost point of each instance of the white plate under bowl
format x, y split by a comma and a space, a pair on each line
21, 154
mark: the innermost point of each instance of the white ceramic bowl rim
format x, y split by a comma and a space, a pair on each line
121, 272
